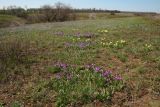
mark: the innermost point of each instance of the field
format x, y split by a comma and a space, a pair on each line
112, 62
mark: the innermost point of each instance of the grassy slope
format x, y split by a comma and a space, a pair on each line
139, 68
85, 16
7, 20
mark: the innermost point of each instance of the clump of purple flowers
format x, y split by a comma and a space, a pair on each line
97, 69
64, 71
61, 65
93, 67
85, 35
64, 75
117, 77
82, 44
79, 44
77, 34
106, 74
103, 83
69, 76
58, 75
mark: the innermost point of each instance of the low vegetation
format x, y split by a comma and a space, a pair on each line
109, 62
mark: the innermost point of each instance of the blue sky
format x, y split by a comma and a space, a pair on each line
125, 5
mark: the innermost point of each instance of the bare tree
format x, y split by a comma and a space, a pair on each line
58, 12
49, 12
62, 11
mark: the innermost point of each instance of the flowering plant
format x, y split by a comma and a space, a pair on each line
103, 31
84, 83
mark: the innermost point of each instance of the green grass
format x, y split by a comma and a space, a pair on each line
85, 16
136, 60
8, 20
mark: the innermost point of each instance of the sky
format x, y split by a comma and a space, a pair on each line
122, 5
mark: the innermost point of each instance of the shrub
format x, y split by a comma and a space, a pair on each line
59, 12
36, 18
62, 12
49, 13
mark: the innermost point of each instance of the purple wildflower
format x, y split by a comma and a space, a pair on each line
64, 66
97, 69
82, 44
61, 65
86, 35
78, 34
118, 78
58, 76
69, 76
106, 73
79, 44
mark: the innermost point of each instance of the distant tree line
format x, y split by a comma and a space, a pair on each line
57, 12
96, 10
49, 13
13, 10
